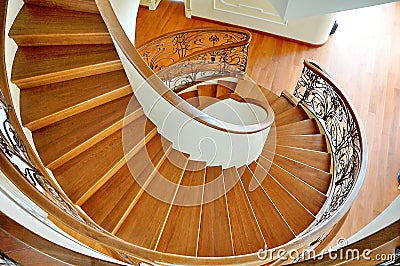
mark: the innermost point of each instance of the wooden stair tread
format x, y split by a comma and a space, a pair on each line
104, 158
246, 235
318, 179
108, 203
191, 97
273, 226
70, 97
316, 142
305, 127
109, 208
153, 156
67, 138
224, 88
317, 159
206, 93
50, 64
296, 215
78, 5
248, 89
227, 84
309, 197
292, 115
281, 105
149, 212
269, 95
36, 25
101, 157
181, 232
215, 236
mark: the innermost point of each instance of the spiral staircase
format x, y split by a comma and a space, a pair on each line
74, 94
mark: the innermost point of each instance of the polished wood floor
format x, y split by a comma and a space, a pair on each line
363, 56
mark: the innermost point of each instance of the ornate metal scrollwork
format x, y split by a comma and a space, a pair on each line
164, 52
6, 261
328, 107
184, 74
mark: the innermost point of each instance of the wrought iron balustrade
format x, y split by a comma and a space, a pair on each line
319, 94
226, 46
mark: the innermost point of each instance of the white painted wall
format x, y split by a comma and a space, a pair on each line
11, 48
294, 9
235, 112
126, 11
260, 16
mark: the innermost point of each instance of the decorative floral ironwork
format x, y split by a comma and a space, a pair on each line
15, 151
164, 52
6, 261
328, 107
184, 74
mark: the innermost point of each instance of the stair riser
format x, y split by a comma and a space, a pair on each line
76, 109
43, 40
115, 169
77, 5
68, 75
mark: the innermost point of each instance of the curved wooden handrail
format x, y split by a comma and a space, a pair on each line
176, 32
134, 58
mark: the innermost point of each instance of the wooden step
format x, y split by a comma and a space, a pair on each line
131, 149
309, 197
315, 142
77, 5
67, 98
152, 213
281, 105
63, 140
248, 89
231, 85
269, 95
305, 127
50, 64
206, 93
181, 232
290, 116
225, 87
191, 97
273, 226
317, 159
296, 215
36, 26
107, 205
111, 203
105, 159
246, 234
215, 234
318, 179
